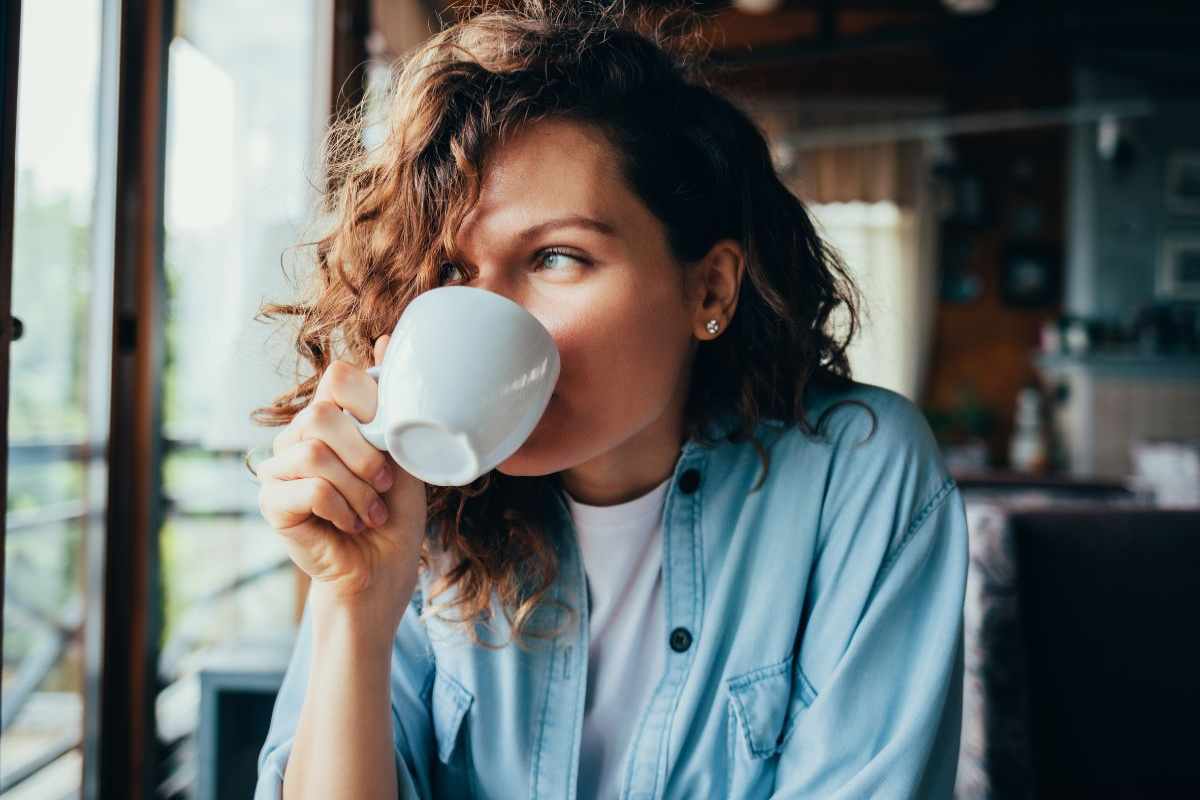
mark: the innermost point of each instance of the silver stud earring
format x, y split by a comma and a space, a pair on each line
713, 326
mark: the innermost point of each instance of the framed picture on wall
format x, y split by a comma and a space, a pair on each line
1183, 182
959, 281
1179, 268
1031, 274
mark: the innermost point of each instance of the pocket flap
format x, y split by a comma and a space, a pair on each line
449, 705
762, 705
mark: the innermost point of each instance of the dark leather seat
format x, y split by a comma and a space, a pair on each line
1110, 613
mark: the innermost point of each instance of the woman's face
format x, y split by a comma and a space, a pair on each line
558, 231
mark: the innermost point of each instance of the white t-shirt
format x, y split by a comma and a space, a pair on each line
622, 556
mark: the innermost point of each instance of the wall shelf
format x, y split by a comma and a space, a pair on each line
1185, 366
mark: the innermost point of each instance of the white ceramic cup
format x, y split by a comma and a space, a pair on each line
466, 377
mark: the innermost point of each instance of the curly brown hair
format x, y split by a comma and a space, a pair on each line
697, 162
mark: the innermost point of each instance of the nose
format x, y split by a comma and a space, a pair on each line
497, 284
515, 291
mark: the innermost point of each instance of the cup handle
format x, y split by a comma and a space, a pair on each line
372, 431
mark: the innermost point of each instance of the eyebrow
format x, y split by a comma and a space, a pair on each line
572, 221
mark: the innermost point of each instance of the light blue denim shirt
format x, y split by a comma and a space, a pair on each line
813, 637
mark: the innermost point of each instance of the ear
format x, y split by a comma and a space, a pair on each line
716, 280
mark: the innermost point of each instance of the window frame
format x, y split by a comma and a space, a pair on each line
124, 598
10, 46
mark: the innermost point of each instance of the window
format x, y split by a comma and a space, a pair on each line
58, 406
879, 243
247, 95
240, 150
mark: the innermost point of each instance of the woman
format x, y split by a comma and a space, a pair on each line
681, 585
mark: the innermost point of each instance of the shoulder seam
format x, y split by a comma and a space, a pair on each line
918, 520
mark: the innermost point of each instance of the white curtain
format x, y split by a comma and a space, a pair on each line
889, 250
872, 201
238, 195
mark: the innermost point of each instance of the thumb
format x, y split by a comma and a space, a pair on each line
407, 509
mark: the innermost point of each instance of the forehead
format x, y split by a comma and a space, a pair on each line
548, 169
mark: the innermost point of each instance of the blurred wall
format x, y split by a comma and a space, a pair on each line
1118, 205
983, 344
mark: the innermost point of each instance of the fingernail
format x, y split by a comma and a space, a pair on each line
383, 481
378, 513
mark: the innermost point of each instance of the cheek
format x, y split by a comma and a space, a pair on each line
620, 367
619, 353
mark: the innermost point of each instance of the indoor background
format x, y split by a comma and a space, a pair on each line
1014, 184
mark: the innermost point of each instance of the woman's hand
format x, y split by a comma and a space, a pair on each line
352, 518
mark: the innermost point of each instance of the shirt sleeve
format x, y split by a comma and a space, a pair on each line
411, 674
880, 644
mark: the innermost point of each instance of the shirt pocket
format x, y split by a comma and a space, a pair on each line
763, 705
449, 703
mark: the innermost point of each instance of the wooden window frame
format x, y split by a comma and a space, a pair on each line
124, 605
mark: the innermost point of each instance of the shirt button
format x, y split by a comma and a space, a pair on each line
681, 639
689, 481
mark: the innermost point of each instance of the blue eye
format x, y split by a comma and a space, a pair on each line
554, 259
546, 256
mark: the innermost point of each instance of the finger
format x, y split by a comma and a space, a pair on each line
349, 387
325, 421
287, 505
314, 458
342, 386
